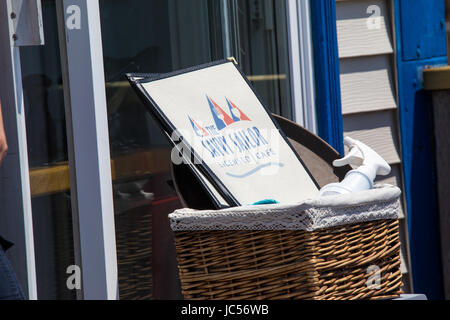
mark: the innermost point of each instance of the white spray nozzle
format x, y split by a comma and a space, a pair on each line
370, 165
354, 156
370, 162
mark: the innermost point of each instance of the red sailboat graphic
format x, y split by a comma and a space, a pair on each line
198, 129
221, 118
238, 114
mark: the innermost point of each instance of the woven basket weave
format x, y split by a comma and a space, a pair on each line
337, 263
134, 254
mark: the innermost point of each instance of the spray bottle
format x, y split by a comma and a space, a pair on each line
370, 163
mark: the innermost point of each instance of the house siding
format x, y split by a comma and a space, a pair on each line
369, 94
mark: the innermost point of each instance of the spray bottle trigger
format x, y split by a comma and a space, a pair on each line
354, 157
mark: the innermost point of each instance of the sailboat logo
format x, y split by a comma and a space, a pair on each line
236, 113
198, 129
221, 118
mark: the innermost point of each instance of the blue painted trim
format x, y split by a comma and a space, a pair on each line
424, 29
326, 65
417, 137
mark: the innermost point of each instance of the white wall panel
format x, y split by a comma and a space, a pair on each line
403, 252
376, 129
369, 103
367, 84
363, 28
395, 179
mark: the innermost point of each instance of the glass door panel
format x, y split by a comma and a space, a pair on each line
259, 38
152, 37
47, 152
257, 31
159, 36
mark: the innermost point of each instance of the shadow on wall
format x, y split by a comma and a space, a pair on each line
423, 212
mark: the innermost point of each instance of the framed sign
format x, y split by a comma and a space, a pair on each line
220, 128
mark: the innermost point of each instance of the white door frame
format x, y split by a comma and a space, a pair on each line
88, 134
89, 154
301, 63
15, 196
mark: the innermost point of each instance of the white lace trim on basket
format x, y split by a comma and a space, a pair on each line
376, 204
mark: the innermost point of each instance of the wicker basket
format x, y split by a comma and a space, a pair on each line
351, 261
134, 254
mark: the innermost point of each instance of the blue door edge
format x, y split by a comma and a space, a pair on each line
422, 228
327, 74
417, 142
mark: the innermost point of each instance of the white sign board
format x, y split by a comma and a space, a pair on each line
213, 113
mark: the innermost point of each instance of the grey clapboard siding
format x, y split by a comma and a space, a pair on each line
403, 253
360, 34
395, 179
367, 84
376, 129
369, 97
